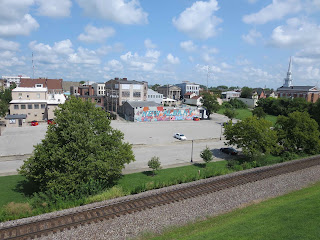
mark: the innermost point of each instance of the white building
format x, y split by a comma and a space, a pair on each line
187, 86
9, 80
226, 96
99, 89
154, 96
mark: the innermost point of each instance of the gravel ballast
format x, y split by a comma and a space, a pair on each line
179, 213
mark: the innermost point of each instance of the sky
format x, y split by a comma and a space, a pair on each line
213, 42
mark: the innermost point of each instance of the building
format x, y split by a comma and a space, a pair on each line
53, 85
10, 80
129, 109
170, 91
192, 99
67, 84
154, 96
53, 100
226, 96
86, 92
99, 89
187, 86
310, 93
120, 90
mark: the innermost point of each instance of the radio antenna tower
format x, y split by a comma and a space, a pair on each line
32, 67
208, 69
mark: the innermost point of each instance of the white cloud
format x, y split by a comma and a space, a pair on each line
188, 46
148, 44
114, 66
274, 11
172, 60
242, 61
297, 33
54, 8
225, 65
257, 74
209, 49
120, 11
84, 56
152, 54
23, 26
252, 36
63, 47
199, 20
208, 68
9, 45
142, 63
93, 34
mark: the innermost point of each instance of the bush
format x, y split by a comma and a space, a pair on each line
206, 155
155, 164
13, 208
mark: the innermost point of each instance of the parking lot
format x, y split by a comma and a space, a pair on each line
148, 139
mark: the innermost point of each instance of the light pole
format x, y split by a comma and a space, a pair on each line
221, 130
191, 150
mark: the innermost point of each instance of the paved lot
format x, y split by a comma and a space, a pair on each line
148, 139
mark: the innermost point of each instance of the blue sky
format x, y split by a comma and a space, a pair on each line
240, 42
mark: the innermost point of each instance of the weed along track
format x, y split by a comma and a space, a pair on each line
113, 210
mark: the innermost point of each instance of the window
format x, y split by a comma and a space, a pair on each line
38, 95
136, 94
16, 106
29, 106
27, 96
36, 106
125, 94
20, 95
23, 106
39, 85
43, 106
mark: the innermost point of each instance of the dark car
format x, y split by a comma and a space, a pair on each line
229, 150
34, 123
196, 119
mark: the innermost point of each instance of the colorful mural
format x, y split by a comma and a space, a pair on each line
150, 114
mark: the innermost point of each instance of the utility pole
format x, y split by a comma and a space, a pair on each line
192, 151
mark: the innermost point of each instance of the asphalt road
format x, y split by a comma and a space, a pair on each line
148, 139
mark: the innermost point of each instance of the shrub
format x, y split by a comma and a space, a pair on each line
13, 208
206, 155
155, 164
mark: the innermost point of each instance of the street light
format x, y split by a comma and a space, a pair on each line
191, 150
221, 130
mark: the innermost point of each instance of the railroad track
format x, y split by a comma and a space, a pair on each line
59, 223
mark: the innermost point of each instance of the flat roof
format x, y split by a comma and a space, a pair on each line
30, 89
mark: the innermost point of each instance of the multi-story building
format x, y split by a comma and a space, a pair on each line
310, 93
120, 90
10, 80
87, 92
99, 89
35, 103
53, 85
187, 86
155, 96
170, 91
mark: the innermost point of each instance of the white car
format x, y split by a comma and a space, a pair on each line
180, 136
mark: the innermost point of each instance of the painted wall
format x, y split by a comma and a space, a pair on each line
152, 114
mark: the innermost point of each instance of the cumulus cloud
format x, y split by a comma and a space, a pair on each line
120, 11
84, 56
144, 63
93, 34
172, 60
188, 46
199, 20
54, 8
23, 26
113, 66
297, 33
251, 36
9, 45
148, 44
274, 11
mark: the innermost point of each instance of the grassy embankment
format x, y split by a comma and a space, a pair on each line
244, 113
292, 216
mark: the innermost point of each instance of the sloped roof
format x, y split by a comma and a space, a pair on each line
301, 88
51, 84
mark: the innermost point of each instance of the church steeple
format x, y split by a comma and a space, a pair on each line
288, 79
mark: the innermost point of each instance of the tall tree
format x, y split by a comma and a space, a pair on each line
155, 87
246, 92
258, 112
230, 113
298, 133
80, 148
210, 103
253, 135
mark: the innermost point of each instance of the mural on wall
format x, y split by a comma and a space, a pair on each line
149, 114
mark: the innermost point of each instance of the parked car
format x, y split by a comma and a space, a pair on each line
51, 121
34, 123
180, 136
196, 119
229, 150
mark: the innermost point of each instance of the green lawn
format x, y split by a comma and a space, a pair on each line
292, 216
9, 190
244, 113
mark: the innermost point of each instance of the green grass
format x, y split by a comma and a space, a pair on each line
292, 216
9, 190
244, 113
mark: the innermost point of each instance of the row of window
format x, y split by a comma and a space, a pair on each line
30, 106
192, 87
127, 94
20, 95
154, 96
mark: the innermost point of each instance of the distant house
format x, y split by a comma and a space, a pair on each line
187, 86
87, 92
259, 92
154, 96
226, 96
53, 85
170, 91
10, 80
99, 89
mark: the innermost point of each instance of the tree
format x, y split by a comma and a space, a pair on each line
230, 113
210, 103
315, 111
79, 149
5, 99
258, 112
253, 135
154, 164
298, 133
236, 103
3, 108
155, 87
246, 92
82, 82
206, 155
